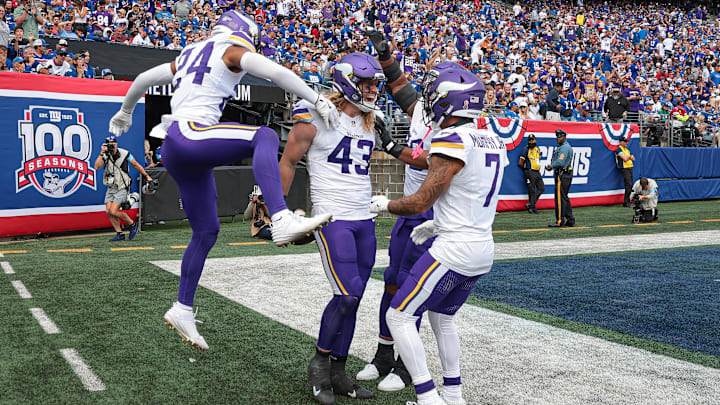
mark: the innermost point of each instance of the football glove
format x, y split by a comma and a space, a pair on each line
423, 232
120, 122
328, 112
380, 43
379, 203
383, 138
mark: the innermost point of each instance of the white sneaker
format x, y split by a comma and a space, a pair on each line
183, 321
452, 401
391, 383
288, 227
369, 373
433, 402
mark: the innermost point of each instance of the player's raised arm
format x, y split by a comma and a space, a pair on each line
159, 75
397, 85
239, 58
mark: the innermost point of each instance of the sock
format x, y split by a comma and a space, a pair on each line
321, 353
452, 389
337, 364
183, 306
266, 170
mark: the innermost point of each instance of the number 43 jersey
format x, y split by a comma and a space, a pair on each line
464, 214
338, 162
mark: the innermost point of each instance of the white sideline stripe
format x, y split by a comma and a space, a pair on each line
52, 210
2, 255
6, 267
505, 359
64, 96
89, 380
45, 322
20, 288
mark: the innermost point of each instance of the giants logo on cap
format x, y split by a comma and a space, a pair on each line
56, 147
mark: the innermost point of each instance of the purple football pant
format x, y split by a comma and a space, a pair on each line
403, 254
434, 287
347, 249
190, 153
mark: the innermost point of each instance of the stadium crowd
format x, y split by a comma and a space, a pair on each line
664, 59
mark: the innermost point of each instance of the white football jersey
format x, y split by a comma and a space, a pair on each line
414, 177
203, 83
338, 163
464, 214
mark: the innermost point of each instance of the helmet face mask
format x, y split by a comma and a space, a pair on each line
237, 22
355, 75
448, 90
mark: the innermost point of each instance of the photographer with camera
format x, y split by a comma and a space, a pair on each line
259, 215
644, 199
116, 162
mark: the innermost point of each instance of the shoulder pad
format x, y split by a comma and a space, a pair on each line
237, 39
379, 114
303, 112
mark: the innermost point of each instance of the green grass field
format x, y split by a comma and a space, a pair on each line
108, 305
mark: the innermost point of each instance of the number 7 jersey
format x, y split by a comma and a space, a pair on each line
338, 163
465, 212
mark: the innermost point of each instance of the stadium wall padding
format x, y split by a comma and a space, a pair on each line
688, 189
53, 128
596, 180
233, 183
679, 163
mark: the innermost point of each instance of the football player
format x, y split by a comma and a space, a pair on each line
338, 162
205, 76
403, 252
464, 176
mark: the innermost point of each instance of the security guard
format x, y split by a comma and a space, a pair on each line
624, 161
561, 164
530, 163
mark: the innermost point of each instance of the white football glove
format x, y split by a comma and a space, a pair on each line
328, 112
423, 232
379, 203
120, 122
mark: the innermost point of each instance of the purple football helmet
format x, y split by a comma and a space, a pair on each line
238, 23
448, 89
350, 71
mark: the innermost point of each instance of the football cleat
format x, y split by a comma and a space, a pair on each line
397, 380
319, 375
343, 385
381, 364
369, 373
452, 401
183, 322
289, 227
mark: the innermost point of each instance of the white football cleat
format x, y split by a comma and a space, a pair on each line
183, 321
369, 373
391, 383
452, 401
288, 227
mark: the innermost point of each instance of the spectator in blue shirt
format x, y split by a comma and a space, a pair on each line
312, 76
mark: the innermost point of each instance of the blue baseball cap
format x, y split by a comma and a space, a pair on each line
106, 71
111, 138
18, 60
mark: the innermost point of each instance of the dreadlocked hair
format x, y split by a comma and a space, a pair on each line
339, 100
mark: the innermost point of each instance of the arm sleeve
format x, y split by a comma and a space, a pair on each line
259, 65
161, 74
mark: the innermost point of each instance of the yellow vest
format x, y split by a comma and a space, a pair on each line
534, 157
626, 164
580, 19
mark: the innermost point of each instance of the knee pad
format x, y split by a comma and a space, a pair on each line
348, 304
206, 239
441, 322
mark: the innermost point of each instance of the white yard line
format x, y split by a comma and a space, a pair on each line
505, 359
7, 269
21, 290
45, 322
89, 380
